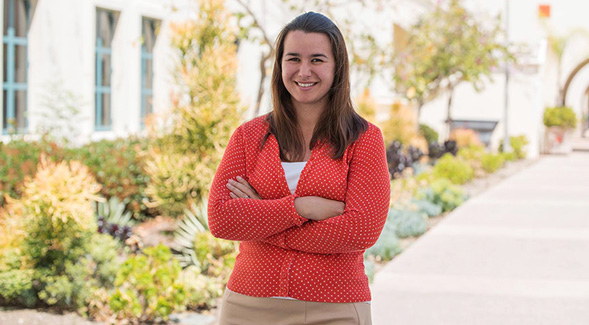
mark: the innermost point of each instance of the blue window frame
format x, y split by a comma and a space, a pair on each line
17, 19
149, 31
106, 22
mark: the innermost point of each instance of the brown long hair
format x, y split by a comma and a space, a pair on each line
339, 124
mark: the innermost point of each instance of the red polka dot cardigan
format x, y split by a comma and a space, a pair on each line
283, 254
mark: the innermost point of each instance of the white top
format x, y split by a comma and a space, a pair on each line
292, 172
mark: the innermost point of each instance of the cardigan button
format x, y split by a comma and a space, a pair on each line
283, 291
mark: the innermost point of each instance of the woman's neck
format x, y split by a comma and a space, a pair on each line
307, 118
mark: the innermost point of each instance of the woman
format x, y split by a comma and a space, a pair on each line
305, 189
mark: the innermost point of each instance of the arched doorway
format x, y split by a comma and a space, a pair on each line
585, 114
584, 110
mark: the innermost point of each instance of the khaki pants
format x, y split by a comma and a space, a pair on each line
238, 309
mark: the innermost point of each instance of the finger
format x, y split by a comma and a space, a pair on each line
233, 196
243, 187
239, 193
251, 191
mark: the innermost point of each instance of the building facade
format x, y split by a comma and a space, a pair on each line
101, 66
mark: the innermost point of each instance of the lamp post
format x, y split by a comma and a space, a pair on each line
506, 147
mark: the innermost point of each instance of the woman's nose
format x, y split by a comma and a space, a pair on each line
304, 70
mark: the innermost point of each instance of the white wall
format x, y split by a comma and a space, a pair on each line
61, 58
1, 72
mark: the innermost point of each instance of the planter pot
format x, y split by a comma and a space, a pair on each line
557, 140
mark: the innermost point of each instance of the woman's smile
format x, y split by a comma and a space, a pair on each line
308, 68
306, 84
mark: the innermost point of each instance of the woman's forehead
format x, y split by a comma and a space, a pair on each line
298, 42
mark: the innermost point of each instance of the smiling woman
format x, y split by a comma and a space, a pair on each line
305, 189
307, 70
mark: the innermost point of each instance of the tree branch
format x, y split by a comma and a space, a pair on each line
257, 24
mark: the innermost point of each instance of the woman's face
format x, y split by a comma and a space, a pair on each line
308, 68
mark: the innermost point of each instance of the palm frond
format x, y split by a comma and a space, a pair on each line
193, 223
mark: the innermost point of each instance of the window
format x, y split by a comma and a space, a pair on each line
17, 19
149, 31
106, 22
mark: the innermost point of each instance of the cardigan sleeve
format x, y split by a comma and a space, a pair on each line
367, 202
245, 219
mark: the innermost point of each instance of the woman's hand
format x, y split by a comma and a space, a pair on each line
311, 207
318, 208
240, 188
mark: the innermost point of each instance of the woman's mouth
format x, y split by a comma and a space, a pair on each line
305, 84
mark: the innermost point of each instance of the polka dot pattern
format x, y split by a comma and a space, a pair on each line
283, 254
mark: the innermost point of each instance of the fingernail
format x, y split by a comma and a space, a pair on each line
239, 178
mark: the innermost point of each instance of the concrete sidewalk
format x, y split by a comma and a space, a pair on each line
516, 254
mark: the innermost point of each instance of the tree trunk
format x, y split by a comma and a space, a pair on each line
560, 98
419, 106
449, 110
263, 61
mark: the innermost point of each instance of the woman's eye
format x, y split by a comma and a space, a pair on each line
293, 59
316, 60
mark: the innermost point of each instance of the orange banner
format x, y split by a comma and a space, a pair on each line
544, 11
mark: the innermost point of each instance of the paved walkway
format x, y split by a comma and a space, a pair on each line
516, 254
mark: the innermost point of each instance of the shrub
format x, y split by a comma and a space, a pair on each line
435, 150
57, 204
407, 223
148, 287
116, 164
454, 169
465, 137
15, 281
401, 125
492, 162
472, 152
403, 189
399, 159
369, 268
119, 166
12, 234
177, 180
16, 288
430, 135
473, 155
19, 159
562, 116
387, 246
215, 256
427, 207
184, 153
202, 290
518, 145
75, 284
443, 193
112, 219
366, 106
509, 156
194, 222
62, 252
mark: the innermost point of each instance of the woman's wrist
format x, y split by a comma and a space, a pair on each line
299, 203
318, 208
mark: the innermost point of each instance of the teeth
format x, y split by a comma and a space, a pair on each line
306, 85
